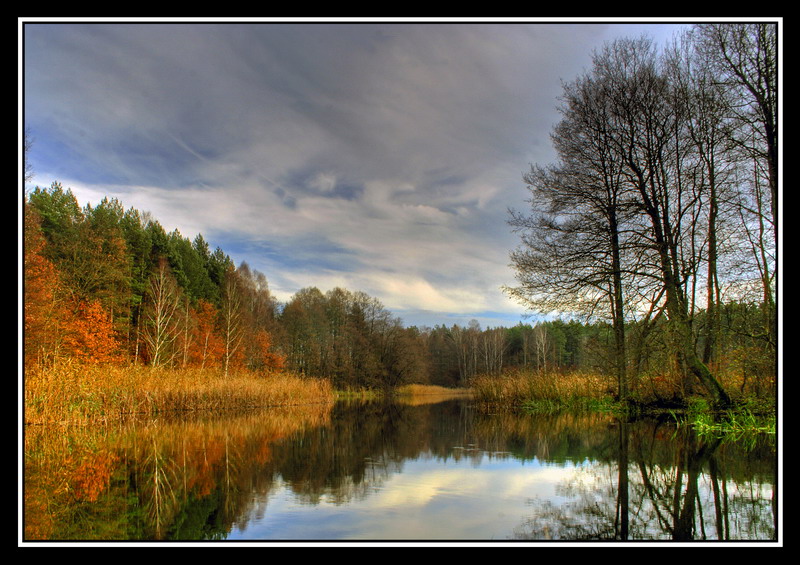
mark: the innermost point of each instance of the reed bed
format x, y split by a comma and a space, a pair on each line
517, 388
427, 390
73, 393
555, 391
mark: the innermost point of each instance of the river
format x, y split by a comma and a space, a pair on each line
397, 472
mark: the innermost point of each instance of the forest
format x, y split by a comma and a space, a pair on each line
651, 243
109, 285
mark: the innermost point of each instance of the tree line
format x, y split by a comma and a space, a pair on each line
661, 208
105, 284
651, 240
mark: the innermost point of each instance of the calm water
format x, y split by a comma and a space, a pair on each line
393, 472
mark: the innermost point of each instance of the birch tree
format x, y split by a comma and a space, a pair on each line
161, 316
231, 319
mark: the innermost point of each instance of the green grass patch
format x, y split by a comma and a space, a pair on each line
732, 424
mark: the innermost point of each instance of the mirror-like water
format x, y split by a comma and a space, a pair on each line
392, 472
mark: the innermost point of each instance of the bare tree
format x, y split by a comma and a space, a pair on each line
493, 345
615, 220
231, 318
27, 144
646, 121
161, 315
709, 171
542, 344
571, 258
744, 57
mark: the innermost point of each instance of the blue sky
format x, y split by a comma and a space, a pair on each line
380, 156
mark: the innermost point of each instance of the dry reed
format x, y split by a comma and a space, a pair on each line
79, 394
424, 390
517, 387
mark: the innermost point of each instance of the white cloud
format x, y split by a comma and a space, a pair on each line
376, 157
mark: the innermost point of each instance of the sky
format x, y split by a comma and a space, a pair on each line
377, 156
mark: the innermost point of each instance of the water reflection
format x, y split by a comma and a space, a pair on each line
650, 489
387, 471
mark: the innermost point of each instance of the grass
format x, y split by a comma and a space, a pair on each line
733, 423
80, 394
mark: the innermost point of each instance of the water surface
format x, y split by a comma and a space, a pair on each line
395, 472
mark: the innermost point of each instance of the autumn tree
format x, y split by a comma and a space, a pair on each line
88, 248
206, 346
90, 335
262, 355
42, 307
404, 358
304, 324
259, 320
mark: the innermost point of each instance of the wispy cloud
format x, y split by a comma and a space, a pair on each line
379, 157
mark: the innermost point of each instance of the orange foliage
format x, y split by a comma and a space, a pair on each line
206, 346
91, 476
91, 336
263, 355
42, 311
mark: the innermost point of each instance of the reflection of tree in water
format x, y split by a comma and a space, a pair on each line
186, 479
658, 486
326, 464
197, 480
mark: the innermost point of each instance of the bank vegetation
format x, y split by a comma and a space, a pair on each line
649, 250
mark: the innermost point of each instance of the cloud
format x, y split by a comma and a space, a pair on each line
380, 157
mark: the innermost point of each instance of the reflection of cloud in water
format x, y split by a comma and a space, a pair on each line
429, 500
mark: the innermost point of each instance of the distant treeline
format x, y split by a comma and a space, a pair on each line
105, 284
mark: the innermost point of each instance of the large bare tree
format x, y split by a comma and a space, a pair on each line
571, 260
615, 218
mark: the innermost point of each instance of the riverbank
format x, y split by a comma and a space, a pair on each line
535, 392
77, 394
